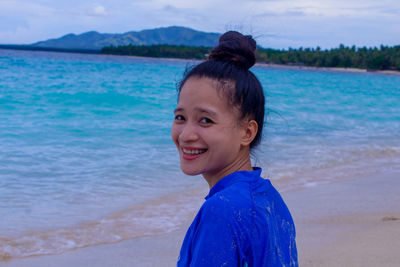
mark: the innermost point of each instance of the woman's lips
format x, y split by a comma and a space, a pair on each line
191, 153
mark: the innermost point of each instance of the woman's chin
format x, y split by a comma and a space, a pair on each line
190, 171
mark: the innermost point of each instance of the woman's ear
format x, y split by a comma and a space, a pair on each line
250, 132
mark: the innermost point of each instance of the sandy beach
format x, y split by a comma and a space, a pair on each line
273, 65
351, 223
354, 222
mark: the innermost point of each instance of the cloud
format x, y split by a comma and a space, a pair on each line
277, 23
172, 9
17, 35
285, 14
98, 11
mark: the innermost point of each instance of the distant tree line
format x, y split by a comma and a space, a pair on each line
167, 51
49, 49
382, 58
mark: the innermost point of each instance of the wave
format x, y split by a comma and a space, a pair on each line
155, 217
334, 165
170, 212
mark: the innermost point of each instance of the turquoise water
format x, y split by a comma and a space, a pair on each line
86, 156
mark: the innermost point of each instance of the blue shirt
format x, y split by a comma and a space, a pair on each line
243, 222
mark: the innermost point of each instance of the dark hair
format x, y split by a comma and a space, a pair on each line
229, 63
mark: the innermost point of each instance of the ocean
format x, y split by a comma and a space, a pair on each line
86, 156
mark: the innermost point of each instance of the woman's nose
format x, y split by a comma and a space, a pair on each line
188, 133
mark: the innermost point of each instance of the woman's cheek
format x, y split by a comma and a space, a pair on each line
175, 133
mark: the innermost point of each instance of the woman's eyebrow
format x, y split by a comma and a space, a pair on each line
200, 110
178, 110
207, 111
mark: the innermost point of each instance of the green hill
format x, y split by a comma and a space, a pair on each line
93, 40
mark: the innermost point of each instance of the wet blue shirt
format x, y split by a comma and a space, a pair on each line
243, 222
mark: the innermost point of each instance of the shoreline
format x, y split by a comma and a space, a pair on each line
389, 72
352, 70
340, 69
351, 222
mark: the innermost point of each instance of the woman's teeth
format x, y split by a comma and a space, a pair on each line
193, 151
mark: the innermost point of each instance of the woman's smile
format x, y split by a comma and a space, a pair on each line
190, 153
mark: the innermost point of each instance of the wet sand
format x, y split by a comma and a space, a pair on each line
392, 72
351, 223
355, 222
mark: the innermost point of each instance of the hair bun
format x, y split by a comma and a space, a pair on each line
235, 47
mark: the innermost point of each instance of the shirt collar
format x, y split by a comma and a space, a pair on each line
240, 176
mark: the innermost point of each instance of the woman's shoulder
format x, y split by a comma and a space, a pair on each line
249, 199
232, 203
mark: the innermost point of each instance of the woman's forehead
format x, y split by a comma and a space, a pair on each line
201, 91
207, 87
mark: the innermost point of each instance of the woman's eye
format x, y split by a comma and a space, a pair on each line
206, 120
179, 118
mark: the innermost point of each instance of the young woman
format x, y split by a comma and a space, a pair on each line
218, 120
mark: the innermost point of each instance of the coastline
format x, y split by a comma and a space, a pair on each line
390, 72
352, 70
352, 222
273, 65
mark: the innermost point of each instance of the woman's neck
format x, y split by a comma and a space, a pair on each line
241, 163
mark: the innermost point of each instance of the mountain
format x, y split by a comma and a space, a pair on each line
93, 40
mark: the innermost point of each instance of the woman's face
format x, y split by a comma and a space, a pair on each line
206, 129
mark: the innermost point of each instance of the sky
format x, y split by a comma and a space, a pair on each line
276, 24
